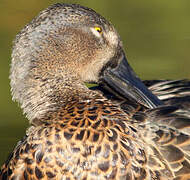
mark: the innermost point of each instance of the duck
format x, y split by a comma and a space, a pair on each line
121, 129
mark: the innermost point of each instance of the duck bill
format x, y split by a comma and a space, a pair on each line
123, 81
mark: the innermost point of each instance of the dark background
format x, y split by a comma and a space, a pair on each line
155, 34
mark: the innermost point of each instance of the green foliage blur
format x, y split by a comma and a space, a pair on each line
155, 34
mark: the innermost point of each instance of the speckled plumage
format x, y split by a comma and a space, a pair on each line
81, 133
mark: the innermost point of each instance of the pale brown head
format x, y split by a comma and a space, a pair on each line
61, 49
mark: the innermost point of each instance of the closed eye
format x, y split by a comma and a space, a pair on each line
97, 31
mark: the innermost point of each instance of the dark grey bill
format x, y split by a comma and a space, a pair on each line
123, 81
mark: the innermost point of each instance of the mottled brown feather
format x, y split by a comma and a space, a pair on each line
96, 139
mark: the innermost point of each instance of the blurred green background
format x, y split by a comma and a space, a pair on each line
156, 36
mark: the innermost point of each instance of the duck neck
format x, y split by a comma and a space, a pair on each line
47, 95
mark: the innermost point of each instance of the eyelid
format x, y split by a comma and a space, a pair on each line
98, 29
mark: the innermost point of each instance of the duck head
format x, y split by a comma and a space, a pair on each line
62, 48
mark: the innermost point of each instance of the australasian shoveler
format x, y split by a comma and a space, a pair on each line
118, 130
